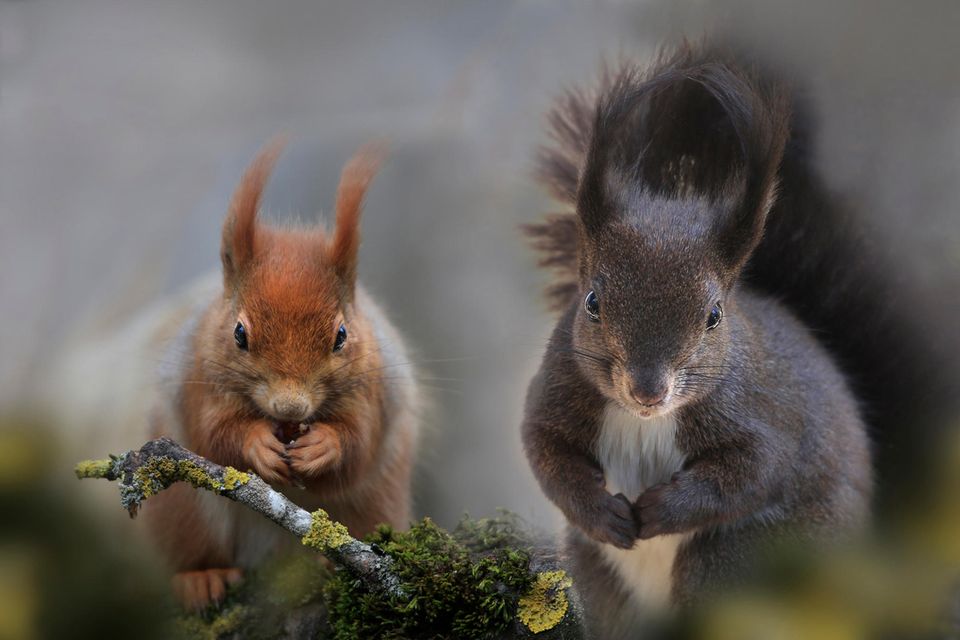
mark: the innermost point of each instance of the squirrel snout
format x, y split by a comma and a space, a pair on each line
649, 392
290, 406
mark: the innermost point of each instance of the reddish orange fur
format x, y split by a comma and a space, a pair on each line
356, 177
291, 289
196, 589
239, 238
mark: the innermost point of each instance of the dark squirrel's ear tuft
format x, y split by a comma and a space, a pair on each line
761, 122
621, 89
701, 123
354, 181
238, 244
628, 145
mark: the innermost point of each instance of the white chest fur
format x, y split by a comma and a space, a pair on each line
638, 453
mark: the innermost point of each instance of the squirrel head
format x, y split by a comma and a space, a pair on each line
289, 337
673, 195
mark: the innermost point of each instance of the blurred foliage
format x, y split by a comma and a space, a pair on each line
284, 598
60, 575
904, 582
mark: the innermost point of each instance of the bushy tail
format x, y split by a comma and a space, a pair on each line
556, 238
818, 256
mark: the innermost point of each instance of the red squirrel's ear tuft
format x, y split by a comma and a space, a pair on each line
354, 181
239, 229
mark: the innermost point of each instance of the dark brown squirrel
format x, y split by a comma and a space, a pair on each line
680, 418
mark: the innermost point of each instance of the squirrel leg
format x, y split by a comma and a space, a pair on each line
196, 590
193, 530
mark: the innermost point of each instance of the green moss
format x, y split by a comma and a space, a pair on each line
197, 627
324, 533
464, 584
489, 534
94, 468
544, 606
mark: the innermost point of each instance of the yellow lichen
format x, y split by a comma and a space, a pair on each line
93, 468
155, 475
545, 605
233, 478
324, 533
158, 473
194, 474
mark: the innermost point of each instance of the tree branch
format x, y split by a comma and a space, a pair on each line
162, 462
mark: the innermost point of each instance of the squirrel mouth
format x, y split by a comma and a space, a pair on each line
288, 432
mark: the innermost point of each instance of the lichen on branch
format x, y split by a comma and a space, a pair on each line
545, 604
325, 534
95, 468
484, 579
159, 463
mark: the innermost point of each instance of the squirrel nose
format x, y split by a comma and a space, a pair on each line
290, 406
649, 391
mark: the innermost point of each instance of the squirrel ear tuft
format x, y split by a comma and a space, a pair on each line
763, 148
354, 181
239, 229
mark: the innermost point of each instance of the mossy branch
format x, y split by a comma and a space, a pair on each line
160, 463
546, 606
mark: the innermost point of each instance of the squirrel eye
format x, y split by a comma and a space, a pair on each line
592, 306
716, 315
240, 335
341, 338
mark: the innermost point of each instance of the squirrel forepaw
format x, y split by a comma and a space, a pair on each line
651, 511
266, 455
612, 522
315, 452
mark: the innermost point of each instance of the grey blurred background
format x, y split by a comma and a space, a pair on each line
124, 126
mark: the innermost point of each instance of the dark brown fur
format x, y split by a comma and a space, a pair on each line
819, 255
671, 196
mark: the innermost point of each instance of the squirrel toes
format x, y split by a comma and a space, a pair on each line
293, 371
679, 419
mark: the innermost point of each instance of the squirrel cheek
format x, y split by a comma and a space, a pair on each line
261, 396
319, 396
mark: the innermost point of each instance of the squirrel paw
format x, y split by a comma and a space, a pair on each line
196, 590
651, 511
315, 451
612, 522
266, 454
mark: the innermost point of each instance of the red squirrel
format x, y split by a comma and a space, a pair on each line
680, 419
290, 370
